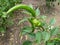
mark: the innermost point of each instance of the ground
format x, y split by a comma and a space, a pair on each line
12, 35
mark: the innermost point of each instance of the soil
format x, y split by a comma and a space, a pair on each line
11, 37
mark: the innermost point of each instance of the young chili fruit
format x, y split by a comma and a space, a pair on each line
35, 22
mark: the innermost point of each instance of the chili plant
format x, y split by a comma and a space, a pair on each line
39, 31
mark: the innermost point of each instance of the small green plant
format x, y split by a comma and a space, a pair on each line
39, 31
4, 20
7, 4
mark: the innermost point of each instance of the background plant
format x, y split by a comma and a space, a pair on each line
50, 3
39, 31
4, 20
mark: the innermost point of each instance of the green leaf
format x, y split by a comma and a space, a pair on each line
38, 37
23, 20
27, 42
46, 36
26, 12
54, 31
43, 17
27, 29
50, 43
58, 43
37, 12
31, 6
4, 14
2, 29
31, 35
52, 21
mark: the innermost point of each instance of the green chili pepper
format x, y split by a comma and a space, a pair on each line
22, 6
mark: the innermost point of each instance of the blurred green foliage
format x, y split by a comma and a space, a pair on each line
6, 4
5, 21
50, 3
